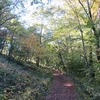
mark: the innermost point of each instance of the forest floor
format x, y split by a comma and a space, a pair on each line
22, 83
62, 88
18, 82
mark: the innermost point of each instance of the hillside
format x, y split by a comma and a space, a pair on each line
47, 45
22, 83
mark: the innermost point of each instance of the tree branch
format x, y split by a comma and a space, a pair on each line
7, 20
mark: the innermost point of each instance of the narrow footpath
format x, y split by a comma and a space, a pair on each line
62, 88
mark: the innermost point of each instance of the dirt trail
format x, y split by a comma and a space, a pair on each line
62, 88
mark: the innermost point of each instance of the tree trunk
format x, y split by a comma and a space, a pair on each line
98, 52
61, 60
96, 34
90, 57
11, 45
2, 46
37, 61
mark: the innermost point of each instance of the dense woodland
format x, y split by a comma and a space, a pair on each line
66, 36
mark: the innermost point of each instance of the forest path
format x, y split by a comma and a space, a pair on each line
62, 88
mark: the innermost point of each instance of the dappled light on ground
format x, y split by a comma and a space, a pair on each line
68, 84
62, 88
57, 74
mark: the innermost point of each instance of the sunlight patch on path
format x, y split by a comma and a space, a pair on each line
68, 84
57, 74
62, 87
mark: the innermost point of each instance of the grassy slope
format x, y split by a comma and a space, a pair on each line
22, 83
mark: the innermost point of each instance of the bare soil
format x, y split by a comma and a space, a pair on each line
62, 88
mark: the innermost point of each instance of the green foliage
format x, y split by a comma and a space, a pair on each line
76, 64
66, 49
97, 72
88, 86
17, 83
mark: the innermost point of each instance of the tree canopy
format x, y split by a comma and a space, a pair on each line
64, 35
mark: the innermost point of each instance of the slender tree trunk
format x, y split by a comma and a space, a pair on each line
92, 71
97, 36
11, 45
2, 46
90, 57
37, 61
2, 41
38, 58
83, 43
81, 31
61, 60
96, 33
84, 48
71, 48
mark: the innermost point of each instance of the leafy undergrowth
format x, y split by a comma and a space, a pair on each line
20, 83
89, 89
